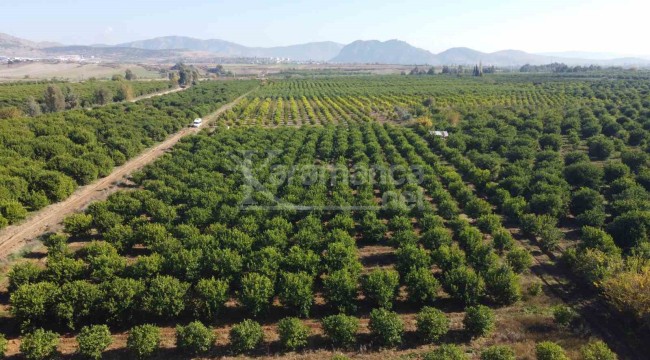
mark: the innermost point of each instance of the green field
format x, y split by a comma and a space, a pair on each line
44, 158
324, 214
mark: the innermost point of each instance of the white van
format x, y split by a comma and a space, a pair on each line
197, 122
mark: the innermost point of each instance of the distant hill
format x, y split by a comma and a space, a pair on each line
221, 47
386, 52
460, 55
317, 51
515, 58
173, 48
7, 41
13, 46
399, 52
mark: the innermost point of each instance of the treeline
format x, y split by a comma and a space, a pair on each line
476, 70
44, 158
32, 99
341, 331
559, 68
219, 70
184, 75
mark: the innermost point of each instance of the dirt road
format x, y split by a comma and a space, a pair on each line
147, 96
14, 237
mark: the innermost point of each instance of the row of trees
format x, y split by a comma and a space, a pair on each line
195, 338
558, 68
54, 99
47, 156
539, 175
205, 251
477, 70
386, 328
32, 99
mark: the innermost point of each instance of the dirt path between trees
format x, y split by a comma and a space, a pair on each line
14, 237
147, 96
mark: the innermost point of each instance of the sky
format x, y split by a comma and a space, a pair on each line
538, 26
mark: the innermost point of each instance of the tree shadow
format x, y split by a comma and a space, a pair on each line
540, 328
35, 255
378, 260
456, 336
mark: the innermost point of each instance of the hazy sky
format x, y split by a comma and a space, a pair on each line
535, 26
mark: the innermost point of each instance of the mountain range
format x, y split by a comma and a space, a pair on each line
318, 51
10, 44
400, 52
171, 48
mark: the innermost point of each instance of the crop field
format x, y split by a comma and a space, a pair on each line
344, 100
322, 218
70, 71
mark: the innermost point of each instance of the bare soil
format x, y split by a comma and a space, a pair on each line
70, 71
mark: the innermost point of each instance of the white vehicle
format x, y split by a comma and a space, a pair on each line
197, 122
442, 134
